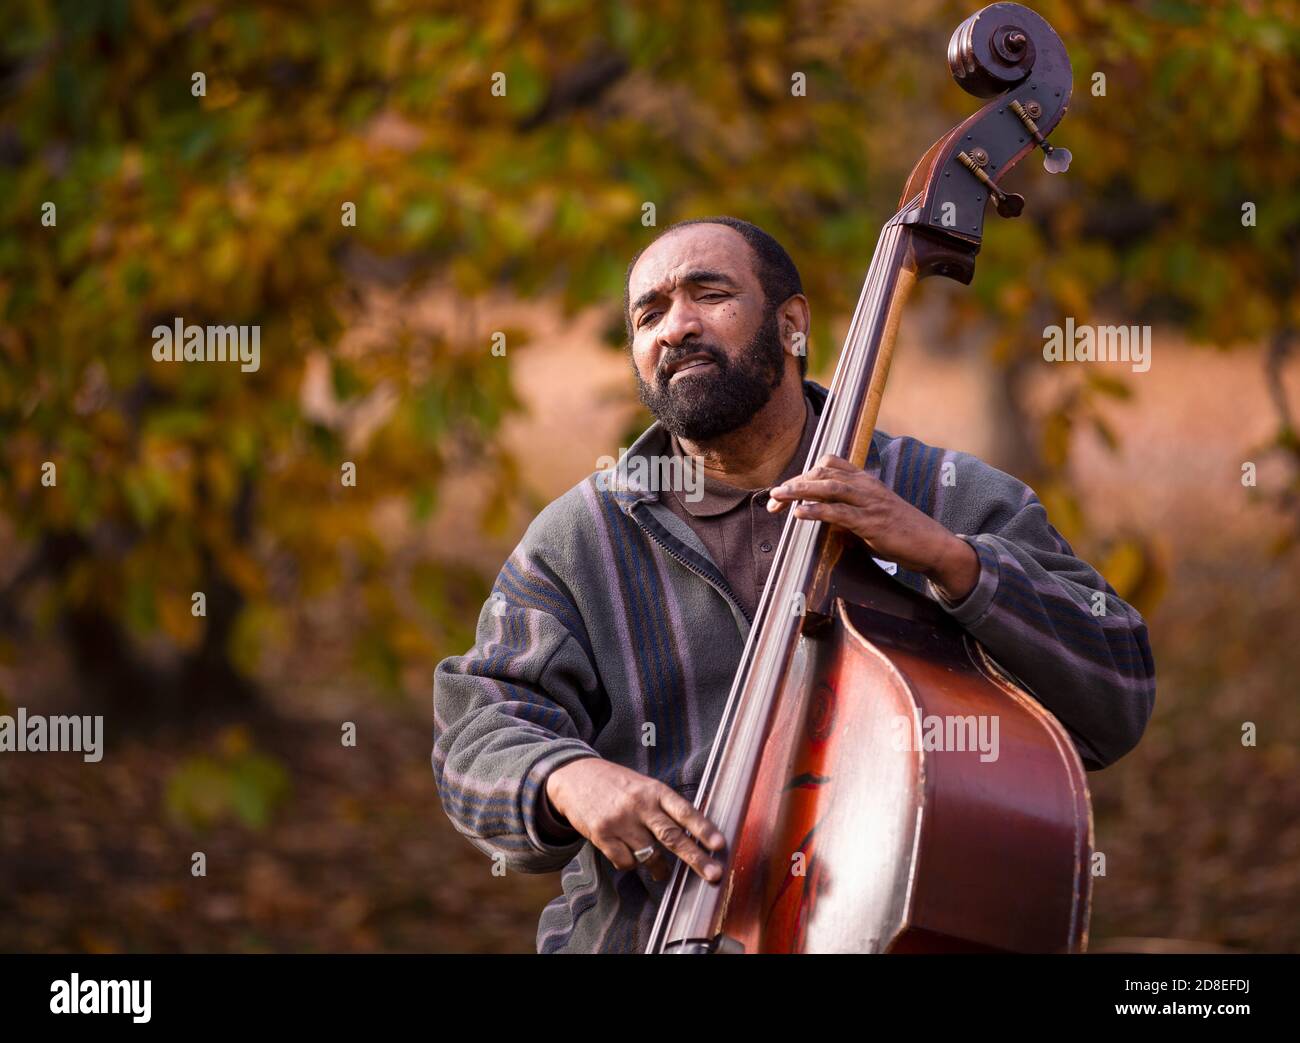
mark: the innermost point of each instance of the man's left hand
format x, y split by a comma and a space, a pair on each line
840, 494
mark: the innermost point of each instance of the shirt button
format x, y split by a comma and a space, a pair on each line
765, 547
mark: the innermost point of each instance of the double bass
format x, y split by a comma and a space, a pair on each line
839, 837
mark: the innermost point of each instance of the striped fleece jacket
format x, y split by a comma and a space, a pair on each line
610, 615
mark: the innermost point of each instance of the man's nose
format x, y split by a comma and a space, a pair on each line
681, 321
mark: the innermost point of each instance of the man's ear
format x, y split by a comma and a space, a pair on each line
793, 317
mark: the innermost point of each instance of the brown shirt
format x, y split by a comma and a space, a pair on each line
739, 532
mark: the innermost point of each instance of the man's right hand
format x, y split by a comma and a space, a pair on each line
621, 811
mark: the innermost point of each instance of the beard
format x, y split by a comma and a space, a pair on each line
705, 405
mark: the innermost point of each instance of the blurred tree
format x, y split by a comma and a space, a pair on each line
229, 207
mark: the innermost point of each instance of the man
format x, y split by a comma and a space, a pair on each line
574, 734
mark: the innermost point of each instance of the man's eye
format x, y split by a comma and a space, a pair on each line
647, 317
713, 296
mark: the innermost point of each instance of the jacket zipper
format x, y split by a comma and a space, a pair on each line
718, 584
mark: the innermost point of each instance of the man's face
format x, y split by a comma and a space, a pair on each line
705, 344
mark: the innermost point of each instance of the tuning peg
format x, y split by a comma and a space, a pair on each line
1008, 204
1055, 160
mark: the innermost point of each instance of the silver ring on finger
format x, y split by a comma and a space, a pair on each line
645, 853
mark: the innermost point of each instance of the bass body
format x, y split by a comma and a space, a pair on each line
918, 801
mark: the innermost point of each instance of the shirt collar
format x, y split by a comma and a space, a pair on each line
655, 441
719, 497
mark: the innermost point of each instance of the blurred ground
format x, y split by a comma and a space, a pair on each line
1201, 835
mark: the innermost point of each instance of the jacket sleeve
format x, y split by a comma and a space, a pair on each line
509, 712
1053, 621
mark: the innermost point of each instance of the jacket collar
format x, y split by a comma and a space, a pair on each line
625, 481
718, 497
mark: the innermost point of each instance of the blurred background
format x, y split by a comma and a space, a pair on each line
225, 198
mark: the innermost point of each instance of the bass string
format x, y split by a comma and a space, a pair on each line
854, 364
862, 308
856, 372
853, 361
833, 430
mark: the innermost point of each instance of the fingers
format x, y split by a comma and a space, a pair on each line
835, 463
666, 833
671, 828
829, 467
618, 852
838, 489
621, 851
622, 812
657, 864
834, 513
640, 838
683, 811
676, 840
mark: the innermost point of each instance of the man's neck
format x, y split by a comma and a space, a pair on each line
754, 456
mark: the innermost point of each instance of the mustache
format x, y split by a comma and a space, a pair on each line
714, 353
